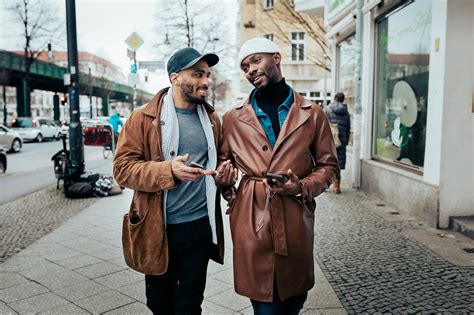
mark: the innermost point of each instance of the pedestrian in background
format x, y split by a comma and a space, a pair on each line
174, 225
276, 130
338, 114
115, 121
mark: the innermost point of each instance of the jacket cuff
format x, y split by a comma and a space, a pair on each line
166, 180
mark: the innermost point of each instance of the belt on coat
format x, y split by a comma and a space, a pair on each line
277, 221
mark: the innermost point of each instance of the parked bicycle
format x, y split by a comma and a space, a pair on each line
62, 163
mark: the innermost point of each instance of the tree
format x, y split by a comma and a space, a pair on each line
193, 23
283, 11
40, 27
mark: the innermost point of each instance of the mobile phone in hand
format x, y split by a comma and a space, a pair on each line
279, 177
194, 164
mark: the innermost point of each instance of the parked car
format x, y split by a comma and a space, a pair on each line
10, 139
36, 129
3, 160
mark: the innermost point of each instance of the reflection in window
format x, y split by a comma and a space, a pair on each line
403, 47
347, 56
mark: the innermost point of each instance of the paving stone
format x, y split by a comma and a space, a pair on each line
9, 279
67, 309
134, 308
99, 269
79, 262
214, 287
5, 310
120, 279
22, 291
135, 291
29, 218
104, 302
231, 300
214, 309
38, 303
81, 290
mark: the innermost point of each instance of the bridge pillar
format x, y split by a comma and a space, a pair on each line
23, 99
105, 105
56, 107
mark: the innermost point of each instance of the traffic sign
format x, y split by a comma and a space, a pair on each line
133, 68
131, 54
133, 79
151, 65
134, 41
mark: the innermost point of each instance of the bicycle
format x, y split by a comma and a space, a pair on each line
62, 163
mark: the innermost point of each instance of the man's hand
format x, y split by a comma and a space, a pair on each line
226, 174
291, 187
186, 173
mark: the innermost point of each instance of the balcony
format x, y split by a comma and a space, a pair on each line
313, 7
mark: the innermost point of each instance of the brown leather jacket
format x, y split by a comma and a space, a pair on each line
139, 165
273, 235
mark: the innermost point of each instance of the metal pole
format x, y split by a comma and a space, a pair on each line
90, 93
5, 111
134, 101
325, 93
358, 91
76, 145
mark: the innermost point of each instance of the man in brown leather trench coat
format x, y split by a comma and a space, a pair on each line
174, 224
276, 130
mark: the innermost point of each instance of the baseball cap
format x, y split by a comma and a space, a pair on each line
188, 57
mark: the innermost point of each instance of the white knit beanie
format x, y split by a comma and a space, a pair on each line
255, 46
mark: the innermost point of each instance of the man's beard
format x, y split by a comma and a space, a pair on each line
186, 90
270, 73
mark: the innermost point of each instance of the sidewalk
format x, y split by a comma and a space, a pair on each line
79, 269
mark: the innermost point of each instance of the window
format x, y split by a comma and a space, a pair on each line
401, 88
268, 36
297, 46
314, 94
346, 68
268, 4
303, 93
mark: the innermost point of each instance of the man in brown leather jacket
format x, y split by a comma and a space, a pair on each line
174, 224
275, 131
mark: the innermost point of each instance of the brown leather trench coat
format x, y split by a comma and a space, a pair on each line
273, 235
139, 165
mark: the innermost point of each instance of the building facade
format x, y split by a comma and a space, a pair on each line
417, 99
306, 58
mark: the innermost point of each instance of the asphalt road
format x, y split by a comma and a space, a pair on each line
32, 168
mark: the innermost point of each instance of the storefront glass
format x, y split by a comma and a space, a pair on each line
401, 94
346, 73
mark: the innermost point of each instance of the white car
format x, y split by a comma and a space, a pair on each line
36, 129
10, 139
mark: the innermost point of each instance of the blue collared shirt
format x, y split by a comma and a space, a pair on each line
265, 121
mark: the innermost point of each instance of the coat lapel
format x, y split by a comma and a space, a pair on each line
248, 116
296, 117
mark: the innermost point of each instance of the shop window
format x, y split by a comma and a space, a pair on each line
297, 46
268, 36
401, 88
268, 4
346, 68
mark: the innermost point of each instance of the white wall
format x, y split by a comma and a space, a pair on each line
456, 181
431, 172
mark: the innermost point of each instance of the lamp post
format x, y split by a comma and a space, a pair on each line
75, 129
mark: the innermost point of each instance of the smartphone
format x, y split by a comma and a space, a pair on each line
279, 177
194, 164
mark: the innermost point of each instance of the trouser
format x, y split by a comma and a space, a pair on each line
180, 290
290, 306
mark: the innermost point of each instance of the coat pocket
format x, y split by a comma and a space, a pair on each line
144, 243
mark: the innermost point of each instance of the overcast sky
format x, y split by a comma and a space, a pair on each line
103, 26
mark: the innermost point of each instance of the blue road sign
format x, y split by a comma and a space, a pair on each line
133, 68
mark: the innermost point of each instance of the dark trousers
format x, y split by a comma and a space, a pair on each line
290, 306
181, 289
